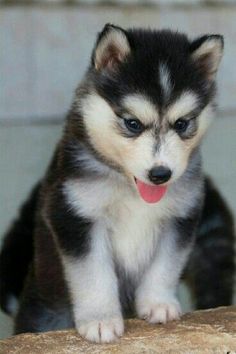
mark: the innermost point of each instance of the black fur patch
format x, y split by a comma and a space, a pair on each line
17, 251
187, 226
40, 314
211, 267
140, 71
71, 230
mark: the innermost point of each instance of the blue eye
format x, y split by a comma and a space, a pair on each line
134, 125
181, 125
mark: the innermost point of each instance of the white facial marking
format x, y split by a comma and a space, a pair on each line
186, 103
205, 119
99, 120
141, 107
96, 111
165, 80
134, 156
174, 152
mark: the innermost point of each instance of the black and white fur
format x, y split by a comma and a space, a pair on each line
100, 251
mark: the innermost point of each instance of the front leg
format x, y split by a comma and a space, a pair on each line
94, 291
156, 299
89, 272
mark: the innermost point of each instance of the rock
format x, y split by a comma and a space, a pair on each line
209, 331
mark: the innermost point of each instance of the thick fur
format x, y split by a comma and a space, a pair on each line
101, 251
211, 269
17, 254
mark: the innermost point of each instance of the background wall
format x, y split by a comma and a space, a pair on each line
45, 47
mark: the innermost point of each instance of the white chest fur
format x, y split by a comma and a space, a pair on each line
134, 234
133, 226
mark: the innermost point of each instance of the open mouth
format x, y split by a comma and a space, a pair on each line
150, 193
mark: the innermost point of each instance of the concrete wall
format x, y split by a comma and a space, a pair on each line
45, 50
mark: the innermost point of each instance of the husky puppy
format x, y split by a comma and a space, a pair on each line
120, 204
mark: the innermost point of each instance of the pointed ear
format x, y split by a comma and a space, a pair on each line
112, 48
207, 52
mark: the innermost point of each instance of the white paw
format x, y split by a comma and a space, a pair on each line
159, 311
102, 331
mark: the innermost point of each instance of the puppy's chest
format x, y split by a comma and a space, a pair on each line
133, 231
132, 226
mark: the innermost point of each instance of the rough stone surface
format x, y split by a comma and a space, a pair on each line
211, 331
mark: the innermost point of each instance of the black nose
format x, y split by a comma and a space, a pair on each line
159, 174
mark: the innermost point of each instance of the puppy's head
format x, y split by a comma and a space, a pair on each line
150, 99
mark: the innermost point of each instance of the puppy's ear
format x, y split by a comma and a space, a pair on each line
111, 49
207, 52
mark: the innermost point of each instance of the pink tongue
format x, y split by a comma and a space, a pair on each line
149, 193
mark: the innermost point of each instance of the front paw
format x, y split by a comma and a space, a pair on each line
101, 330
159, 310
